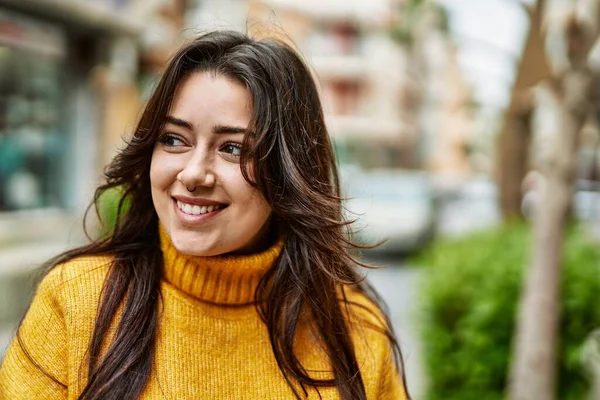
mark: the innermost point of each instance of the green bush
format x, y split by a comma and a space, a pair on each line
108, 206
470, 294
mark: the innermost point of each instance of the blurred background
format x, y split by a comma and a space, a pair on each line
445, 115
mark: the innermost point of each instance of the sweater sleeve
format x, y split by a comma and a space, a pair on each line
35, 364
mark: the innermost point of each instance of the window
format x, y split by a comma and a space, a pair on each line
33, 138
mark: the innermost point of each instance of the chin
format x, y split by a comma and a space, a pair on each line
193, 244
197, 251
194, 251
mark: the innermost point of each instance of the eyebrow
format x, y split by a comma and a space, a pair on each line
229, 129
218, 129
179, 122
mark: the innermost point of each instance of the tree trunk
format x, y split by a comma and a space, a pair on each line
590, 355
512, 157
533, 372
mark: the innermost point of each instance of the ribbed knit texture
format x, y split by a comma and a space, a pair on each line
211, 342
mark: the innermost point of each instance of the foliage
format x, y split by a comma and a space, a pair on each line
470, 294
108, 209
412, 14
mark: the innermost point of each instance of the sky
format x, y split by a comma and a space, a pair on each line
490, 36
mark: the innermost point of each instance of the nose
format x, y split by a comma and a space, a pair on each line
198, 171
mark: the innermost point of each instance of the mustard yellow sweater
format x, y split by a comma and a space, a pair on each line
204, 349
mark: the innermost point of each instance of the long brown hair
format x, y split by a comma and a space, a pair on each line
293, 163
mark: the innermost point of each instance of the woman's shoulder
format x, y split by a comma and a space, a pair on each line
82, 268
72, 282
60, 318
368, 323
362, 308
370, 330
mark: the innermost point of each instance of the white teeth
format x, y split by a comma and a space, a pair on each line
195, 209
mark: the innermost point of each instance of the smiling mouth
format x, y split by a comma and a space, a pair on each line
192, 209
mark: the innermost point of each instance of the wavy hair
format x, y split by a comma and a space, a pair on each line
291, 158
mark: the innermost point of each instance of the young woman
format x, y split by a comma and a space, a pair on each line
229, 276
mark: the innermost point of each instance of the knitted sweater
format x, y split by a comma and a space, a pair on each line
205, 348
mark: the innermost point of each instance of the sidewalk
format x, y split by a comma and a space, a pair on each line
398, 285
6, 335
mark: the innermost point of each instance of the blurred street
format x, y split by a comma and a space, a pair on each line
398, 284
6, 335
445, 120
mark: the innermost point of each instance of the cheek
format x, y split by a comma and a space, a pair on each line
247, 196
260, 208
163, 171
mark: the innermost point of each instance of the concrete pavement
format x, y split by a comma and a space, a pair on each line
398, 285
6, 335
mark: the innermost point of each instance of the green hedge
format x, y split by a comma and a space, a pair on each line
470, 293
108, 206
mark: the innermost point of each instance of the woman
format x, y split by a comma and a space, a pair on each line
229, 275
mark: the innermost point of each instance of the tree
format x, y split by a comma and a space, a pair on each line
512, 157
572, 31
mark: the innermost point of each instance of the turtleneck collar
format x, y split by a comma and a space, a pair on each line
227, 279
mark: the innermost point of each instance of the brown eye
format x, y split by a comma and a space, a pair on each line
170, 140
234, 149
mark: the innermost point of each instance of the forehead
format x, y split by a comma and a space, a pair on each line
206, 97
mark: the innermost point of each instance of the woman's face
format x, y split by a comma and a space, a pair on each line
198, 190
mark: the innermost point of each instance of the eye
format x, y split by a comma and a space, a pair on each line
170, 140
233, 149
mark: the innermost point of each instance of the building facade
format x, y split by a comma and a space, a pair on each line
387, 105
71, 87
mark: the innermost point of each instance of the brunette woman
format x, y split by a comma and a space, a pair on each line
229, 276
